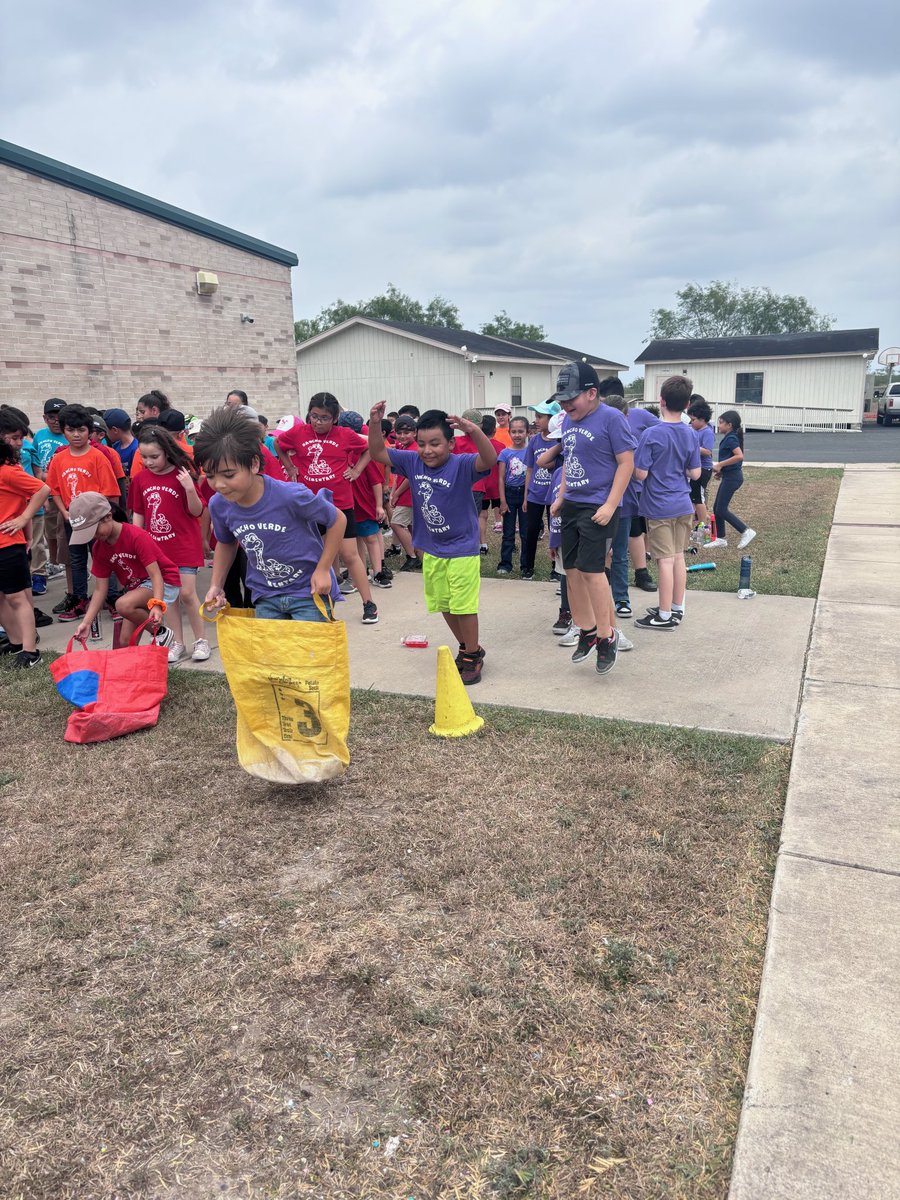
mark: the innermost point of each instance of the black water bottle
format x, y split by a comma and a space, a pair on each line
746, 563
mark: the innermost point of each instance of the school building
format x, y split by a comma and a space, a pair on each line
366, 359
106, 293
786, 381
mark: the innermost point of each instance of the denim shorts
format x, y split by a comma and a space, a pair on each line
288, 608
365, 527
188, 570
170, 592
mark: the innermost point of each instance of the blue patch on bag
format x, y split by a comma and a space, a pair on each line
80, 688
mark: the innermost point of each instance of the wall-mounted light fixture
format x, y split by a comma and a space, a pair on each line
246, 319
207, 283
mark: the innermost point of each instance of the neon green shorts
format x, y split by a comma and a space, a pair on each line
452, 585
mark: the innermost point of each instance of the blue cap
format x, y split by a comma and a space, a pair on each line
549, 408
116, 416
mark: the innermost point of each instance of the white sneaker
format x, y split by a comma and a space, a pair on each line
165, 637
716, 544
746, 538
570, 638
200, 652
624, 643
176, 652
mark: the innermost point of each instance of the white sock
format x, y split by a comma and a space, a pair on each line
678, 608
664, 616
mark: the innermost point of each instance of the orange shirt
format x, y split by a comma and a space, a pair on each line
16, 489
503, 435
68, 474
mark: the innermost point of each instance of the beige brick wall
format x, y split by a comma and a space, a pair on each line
98, 305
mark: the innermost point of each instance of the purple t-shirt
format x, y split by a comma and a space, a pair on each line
590, 447
555, 540
445, 519
279, 535
514, 465
539, 489
638, 420
706, 440
667, 451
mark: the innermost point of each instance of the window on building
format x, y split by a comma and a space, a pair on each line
515, 390
748, 387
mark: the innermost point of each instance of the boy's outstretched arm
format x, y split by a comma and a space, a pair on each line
377, 448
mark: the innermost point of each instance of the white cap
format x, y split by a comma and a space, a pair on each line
554, 429
283, 424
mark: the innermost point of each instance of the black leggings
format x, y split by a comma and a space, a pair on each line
728, 485
534, 520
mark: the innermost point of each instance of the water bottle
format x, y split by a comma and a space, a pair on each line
744, 592
414, 641
96, 629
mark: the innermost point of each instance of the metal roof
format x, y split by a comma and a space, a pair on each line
778, 345
93, 185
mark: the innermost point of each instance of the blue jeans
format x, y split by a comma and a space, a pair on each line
511, 519
619, 569
78, 561
728, 485
288, 608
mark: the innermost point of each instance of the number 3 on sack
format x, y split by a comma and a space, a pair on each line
310, 726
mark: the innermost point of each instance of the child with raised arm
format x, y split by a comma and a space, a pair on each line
445, 521
276, 523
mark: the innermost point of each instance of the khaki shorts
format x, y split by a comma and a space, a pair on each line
402, 515
669, 537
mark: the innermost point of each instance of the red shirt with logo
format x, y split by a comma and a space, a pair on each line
162, 503
322, 461
128, 556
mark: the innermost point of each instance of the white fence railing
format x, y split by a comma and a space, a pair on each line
785, 417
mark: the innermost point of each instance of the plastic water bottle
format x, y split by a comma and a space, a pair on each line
414, 641
744, 592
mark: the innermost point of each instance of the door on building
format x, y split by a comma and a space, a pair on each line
478, 391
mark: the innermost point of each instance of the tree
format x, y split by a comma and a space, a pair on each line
635, 389
725, 310
393, 305
503, 326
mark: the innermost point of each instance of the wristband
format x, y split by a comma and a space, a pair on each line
154, 603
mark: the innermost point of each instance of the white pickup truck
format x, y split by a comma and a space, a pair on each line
889, 405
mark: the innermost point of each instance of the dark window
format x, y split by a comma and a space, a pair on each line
748, 387
515, 390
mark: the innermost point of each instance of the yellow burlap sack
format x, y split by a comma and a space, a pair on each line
290, 681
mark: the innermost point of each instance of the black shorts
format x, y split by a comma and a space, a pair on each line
350, 531
14, 573
486, 503
698, 487
585, 544
638, 527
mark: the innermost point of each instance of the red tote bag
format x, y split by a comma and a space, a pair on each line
114, 691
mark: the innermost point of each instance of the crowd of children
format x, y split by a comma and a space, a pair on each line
303, 512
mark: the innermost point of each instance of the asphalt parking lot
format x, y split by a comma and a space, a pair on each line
873, 444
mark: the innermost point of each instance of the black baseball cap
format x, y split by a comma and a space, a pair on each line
573, 379
54, 406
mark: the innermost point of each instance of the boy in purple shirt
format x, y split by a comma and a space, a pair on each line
667, 457
445, 521
276, 523
598, 448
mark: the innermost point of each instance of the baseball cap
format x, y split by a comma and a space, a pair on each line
473, 415
554, 429
549, 408
116, 416
287, 422
351, 420
507, 408
404, 422
54, 406
574, 378
193, 426
86, 512
172, 419
99, 424
246, 411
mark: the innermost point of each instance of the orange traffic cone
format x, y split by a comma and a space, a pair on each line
454, 715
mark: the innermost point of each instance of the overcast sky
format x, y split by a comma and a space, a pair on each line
572, 162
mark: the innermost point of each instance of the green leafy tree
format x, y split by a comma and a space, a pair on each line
392, 305
725, 310
503, 326
635, 389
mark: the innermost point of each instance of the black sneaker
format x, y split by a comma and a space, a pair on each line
655, 621
587, 642
677, 617
484, 549
554, 575
623, 608
26, 659
607, 652
563, 621
528, 574
470, 666
75, 612
392, 551
411, 564
67, 603
370, 613
382, 579
504, 570
41, 619
10, 648
643, 580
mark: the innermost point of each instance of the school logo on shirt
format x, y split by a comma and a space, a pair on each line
432, 514
317, 469
276, 574
158, 526
73, 476
542, 475
516, 468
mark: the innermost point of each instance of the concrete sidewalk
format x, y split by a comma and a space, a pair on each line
707, 674
821, 1115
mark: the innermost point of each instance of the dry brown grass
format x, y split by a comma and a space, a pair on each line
531, 956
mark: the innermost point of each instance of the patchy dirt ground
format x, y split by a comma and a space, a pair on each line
523, 964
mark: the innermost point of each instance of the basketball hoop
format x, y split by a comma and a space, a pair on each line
890, 357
